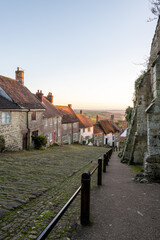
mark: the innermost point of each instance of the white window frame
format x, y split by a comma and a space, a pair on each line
55, 120
65, 126
51, 121
75, 125
46, 122
50, 137
6, 118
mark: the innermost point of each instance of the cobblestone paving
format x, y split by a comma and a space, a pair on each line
35, 185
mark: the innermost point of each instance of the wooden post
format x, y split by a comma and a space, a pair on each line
85, 198
104, 163
99, 178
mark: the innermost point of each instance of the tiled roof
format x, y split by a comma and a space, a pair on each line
97, 129
19, 93
69, 115
50, 109
83, 121
6, 104
109, 126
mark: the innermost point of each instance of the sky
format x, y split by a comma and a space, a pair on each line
88, 53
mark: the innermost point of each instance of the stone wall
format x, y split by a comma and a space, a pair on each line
12, 131
143, 141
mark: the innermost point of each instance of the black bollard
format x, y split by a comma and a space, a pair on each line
99, 178
104, 163
85, 198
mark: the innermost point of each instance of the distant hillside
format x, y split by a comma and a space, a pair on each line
119, 115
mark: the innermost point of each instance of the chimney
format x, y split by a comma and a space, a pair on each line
81, 111
70, 105
50, 97
39, 94
98, 118
112, 117
20, 76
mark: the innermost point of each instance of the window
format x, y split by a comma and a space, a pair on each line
74, 125
65, 138
89, 129
35, 134
59, 132
75, 136
33, 116
50, 137
45, 122
59, 120
83, 129
65, 126
6, 118
55, 120
50, 120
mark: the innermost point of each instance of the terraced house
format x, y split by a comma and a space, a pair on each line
70, 124
52, 119
21, 113
85, 128
111, 131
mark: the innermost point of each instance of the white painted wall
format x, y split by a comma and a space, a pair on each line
85, 133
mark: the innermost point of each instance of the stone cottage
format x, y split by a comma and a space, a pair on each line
52, 119
98, 135
143, 139
21, 113
111, 131
85, 128
70, 124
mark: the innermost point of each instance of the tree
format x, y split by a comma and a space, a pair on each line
128, 114
155, 9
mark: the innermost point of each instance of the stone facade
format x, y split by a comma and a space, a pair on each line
143, 139
98, 140
19, 131
12, 130
70, 132
52, 130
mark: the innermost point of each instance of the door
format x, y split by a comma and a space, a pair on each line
24, 141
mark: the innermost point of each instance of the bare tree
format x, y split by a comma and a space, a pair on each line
155, 9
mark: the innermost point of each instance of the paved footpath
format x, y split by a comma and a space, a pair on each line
122, 209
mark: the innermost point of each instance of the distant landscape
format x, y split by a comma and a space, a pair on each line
118, 115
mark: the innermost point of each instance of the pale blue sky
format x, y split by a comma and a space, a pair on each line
86, 52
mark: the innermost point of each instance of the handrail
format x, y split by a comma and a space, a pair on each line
51, 225
94, 169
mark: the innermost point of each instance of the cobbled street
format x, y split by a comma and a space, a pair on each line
35, 185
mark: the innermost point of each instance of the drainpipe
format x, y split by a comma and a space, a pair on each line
57, 130
28, 133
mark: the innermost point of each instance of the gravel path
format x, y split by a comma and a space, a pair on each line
122, 209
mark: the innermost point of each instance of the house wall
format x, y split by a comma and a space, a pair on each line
112, 139
52, 130
35, 125
86, 134
12, 132
98, 140
70, 132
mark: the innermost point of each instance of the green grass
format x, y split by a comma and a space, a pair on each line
136, 168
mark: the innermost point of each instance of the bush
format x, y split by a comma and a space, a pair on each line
2, 144
40, 141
